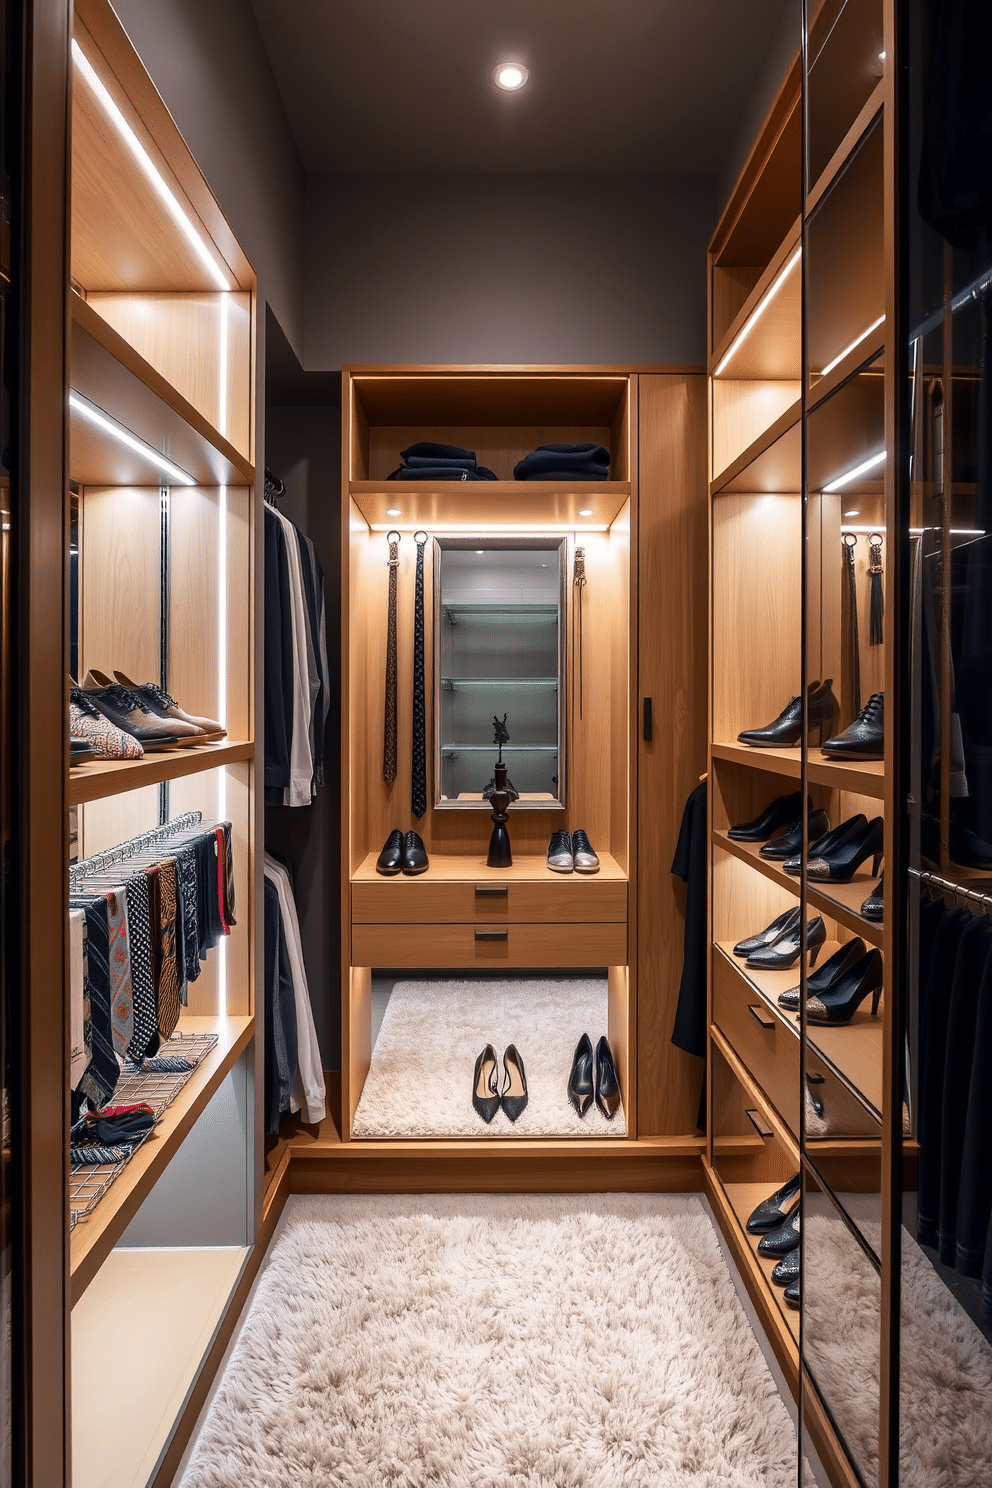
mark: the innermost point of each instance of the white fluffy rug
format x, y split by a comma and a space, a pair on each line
496, 1342
946, 1363
420, 1080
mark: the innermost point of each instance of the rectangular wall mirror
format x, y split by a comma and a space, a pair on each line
499, 625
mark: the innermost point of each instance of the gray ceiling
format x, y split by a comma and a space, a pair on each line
615, 86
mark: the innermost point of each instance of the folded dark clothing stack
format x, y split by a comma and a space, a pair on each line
428, 461
587, 462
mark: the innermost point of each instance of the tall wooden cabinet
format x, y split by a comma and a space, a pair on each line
645, 524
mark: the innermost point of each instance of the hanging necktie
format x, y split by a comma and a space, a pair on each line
850, 542
875, 581
389, 719
418, 788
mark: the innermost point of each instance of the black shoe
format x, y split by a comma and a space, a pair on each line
415, 858
785, 951
864, 739
390, 860
793, 1295
791, 841
826, 844
786, 1271
580, 1089
485, 1089
607, 1081
560, 852
779, 1242
584, 860
786, 730
776, 814
514, 1096
873, 907
830, 972
780, 926
840, 1003
771, 1211
839, 864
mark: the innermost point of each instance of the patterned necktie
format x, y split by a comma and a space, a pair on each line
119, 962
100, 1080
418, 790
389, 722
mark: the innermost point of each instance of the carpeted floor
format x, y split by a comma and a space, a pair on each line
579, 1341
420, 1080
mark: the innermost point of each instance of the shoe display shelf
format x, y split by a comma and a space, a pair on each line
161, 438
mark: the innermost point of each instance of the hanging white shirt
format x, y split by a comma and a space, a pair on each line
309, 1092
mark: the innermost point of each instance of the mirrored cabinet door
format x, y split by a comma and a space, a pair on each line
499, 657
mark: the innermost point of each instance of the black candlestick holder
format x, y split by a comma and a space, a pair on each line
499, 843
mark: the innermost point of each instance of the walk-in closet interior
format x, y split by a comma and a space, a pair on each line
471, 599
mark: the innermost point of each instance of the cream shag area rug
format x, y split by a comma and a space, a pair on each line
945, 1362
420, 1080
496, 1341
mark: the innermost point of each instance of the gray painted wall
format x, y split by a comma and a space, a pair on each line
778, 59
208, 62
506, 269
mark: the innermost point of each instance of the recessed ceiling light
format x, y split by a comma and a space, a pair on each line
852, 514
393, 511
479, 552
510, 75
881, 56
585, 511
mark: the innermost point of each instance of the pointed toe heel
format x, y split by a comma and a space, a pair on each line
607, 1080
580, 1082
485, 1093
514, 1096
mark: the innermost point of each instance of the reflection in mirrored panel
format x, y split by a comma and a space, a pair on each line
846, 59
841, 1303
499, 655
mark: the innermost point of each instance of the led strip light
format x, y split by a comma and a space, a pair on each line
759, 310
101, 420
852, 475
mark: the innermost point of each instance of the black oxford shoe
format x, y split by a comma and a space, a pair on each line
778, 813
415, 859
785, 731
864, 739
390, 860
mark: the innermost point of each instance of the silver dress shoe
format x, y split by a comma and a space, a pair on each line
560, 853
584, 860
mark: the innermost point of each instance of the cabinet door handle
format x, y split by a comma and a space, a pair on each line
491, 891
491, 934
762, 1131
761, 1015
813, 1079
647, 720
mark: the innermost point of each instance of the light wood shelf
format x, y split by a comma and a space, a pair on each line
772, 348
861, 777
772, 462
97, 779
463, 868
161, 1310
842, 903
95, 1236
842, 154
215, 455
109, 373
870, 350
852, 1050
495, 505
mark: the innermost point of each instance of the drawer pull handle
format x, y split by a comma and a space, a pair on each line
647, 720
491, 891
763, 1132
491, 934
761, 1015
813, 1079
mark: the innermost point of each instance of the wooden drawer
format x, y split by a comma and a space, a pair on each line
415, 901
470, 946
765, 1045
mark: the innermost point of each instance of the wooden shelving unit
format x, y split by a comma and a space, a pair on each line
161, 316
93, 1238
499, 506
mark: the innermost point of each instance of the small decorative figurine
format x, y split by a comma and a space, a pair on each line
499, 843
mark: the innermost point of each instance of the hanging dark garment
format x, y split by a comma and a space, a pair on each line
975, 1196
933, 1044
962, 1015
689, 864
955, 180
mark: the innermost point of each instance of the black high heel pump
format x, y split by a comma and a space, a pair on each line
780, 926
787, 949
840, 864
514, 1096
827, 843
580, 1085
485, 1091
829, 973
607, 1080
842, 1001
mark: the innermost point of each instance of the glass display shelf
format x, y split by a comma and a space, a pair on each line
448, 751
450, 682
481, 611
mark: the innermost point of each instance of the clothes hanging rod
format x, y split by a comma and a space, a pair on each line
950, 887
133, 845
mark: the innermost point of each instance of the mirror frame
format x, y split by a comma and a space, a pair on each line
558, 545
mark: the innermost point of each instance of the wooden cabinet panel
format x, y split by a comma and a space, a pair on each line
474, 946
767, 1047
415, 901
